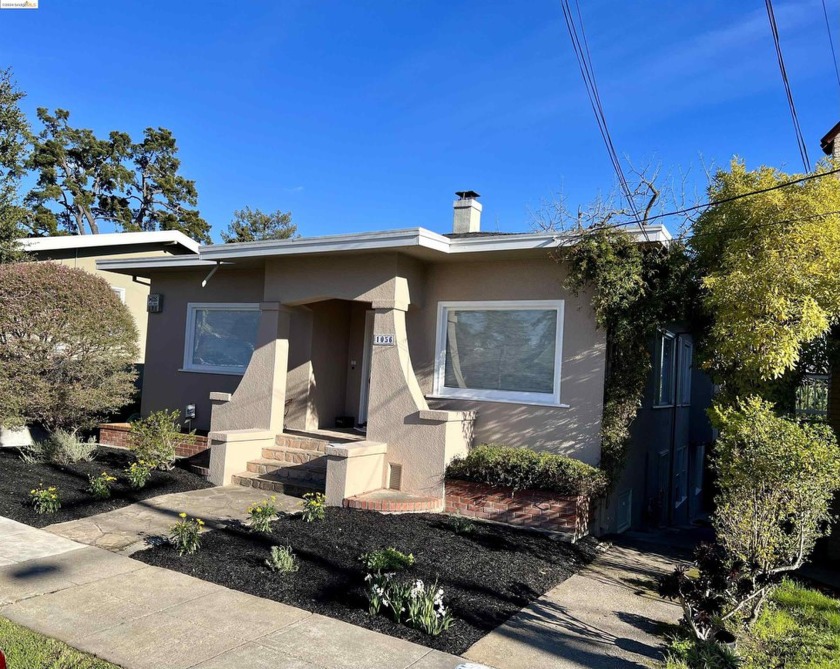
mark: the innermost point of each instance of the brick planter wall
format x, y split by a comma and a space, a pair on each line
119, 434
535, 509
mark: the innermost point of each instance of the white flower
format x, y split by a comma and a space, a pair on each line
368, 577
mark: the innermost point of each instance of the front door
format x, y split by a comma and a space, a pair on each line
364, 394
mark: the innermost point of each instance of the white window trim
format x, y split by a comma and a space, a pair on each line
119, 292
658, 370
542, 399
189, 336
684, 342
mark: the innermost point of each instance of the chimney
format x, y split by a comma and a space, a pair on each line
467, 212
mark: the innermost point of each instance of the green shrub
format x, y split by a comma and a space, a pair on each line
461, 525
314, 507
138, 473
260, 514
45, 500
100, 486
155, 437
522, 468
282, 560
61, 447
185, 535
386, 559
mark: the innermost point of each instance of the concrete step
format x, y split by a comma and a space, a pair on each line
294, 488
315, 470
295, 456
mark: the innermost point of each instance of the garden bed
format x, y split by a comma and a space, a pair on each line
487, 575
18, 478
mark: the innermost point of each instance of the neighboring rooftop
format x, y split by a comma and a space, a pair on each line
112, 239
827, 142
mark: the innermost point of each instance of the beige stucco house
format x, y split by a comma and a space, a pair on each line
361, 364
83, 251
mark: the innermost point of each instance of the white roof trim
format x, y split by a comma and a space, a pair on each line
65, 242
127, 265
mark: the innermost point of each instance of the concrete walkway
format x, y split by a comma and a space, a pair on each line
127, 529
143, 617
607, 616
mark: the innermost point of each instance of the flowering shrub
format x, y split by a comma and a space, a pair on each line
156, 436
139, 473
282, 559
45, 500
184, 534
411, 603
261, 514
314, 507
100, 486
386, 559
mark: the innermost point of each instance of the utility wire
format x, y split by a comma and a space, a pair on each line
766, 224
831, 43
580, 45
803, 149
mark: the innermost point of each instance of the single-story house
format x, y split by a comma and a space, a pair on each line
361, 364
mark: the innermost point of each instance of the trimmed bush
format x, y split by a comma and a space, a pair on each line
522, 469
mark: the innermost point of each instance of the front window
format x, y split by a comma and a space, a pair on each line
500, 351
220, 337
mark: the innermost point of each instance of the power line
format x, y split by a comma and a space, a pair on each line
831, 43
800, 140
580, 45
766, 224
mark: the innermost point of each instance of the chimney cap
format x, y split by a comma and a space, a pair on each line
467, 194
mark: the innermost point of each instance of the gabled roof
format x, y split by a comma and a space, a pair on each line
112, 239
418, 242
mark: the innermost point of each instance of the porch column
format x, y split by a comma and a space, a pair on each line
259, 400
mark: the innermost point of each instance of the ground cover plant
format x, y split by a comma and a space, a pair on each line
19, 478
185, 535
486, 576
27, 649
798, 629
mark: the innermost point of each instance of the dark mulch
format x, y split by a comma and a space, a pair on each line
17, 478
486, 576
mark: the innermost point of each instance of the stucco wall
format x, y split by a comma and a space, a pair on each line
570, 431
164, 386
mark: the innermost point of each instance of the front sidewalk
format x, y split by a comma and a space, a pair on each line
143, 617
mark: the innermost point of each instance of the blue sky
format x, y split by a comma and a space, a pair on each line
368, 115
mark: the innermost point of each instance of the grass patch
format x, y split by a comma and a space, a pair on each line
25, 648
798, 629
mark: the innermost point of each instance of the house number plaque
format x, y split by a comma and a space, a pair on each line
383, 340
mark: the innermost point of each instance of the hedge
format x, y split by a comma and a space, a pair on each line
522, 468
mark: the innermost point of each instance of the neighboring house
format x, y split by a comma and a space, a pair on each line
83, 251
414, 345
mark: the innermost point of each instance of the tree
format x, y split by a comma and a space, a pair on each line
84, 180
771, 271
14, 138
254, 225
67, 344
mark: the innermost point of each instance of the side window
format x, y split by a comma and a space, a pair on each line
119, 292
686, 362
664, 369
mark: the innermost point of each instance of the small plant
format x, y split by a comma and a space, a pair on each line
376, 587
185, 534
386, 559
410, 602
156, 436
100, 486
461, 525
314, 507
261, 514
282, 560
138, 473
45, 500
62, 448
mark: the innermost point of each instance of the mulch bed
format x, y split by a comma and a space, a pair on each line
486, 576
17, 478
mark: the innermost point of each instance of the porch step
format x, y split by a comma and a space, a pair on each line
394, 501
315, 441
314, 470
295, 456
273, 484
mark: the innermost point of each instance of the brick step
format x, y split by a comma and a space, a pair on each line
301, 443
315, 470
295, 456
293, 488
393, 501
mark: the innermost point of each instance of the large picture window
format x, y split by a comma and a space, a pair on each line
500, 351
220, 337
